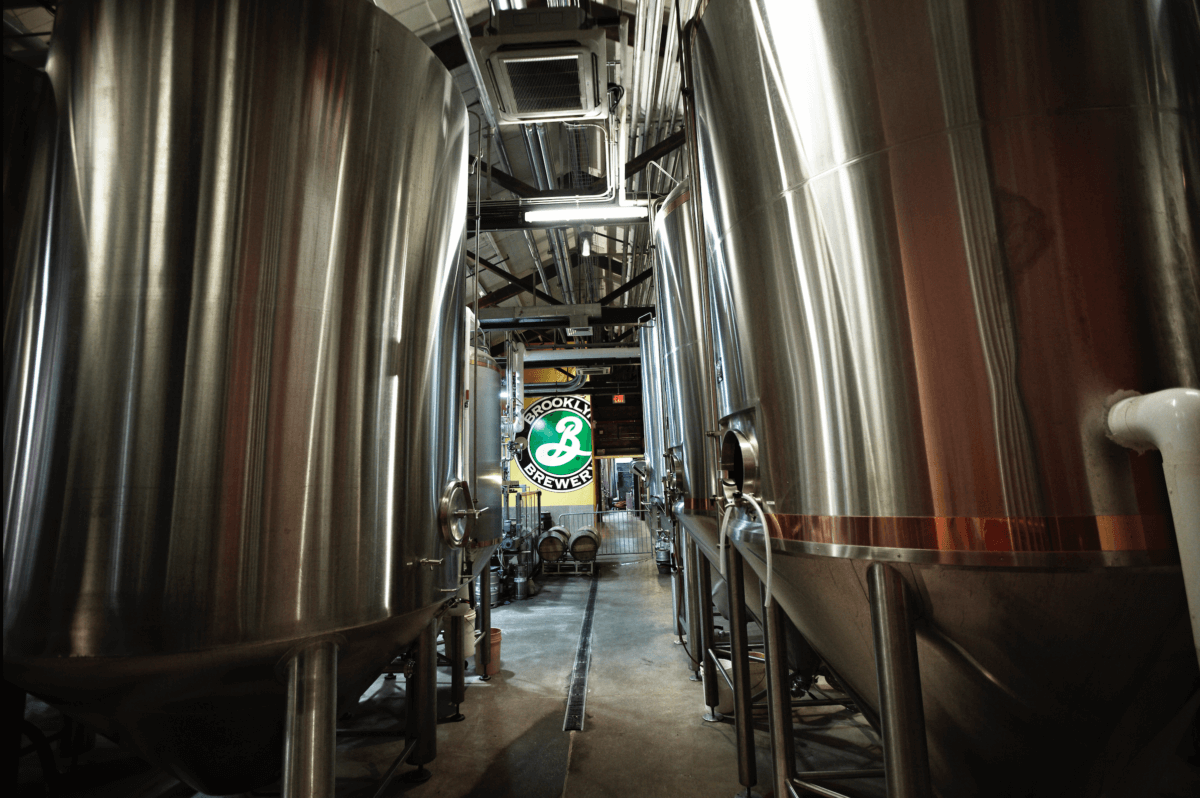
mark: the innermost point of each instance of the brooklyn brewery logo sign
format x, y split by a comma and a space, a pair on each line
559, 455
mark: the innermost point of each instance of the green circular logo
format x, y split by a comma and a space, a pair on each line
559, 455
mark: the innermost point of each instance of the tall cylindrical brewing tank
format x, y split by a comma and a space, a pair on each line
686, 367
481, 428
232, 368
942, 235
652, 409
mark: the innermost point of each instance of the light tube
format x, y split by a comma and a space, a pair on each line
589, 213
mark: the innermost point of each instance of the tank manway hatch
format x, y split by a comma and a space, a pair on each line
543, 70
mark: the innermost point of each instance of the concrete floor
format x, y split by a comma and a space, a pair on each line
642, 735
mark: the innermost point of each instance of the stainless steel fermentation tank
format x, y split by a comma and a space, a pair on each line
232, 370
941, 235
653, 415
481, 432
687, 378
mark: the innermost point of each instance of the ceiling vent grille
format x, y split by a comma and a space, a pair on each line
546, 77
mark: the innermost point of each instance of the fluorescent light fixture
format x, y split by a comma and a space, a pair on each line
589, 213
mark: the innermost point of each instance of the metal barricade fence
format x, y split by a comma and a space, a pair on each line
622, 532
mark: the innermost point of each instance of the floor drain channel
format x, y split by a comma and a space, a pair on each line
577, 693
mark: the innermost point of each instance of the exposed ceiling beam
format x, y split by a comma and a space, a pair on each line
503, 179
629, 285
509, 291
664, 147
601, 261
515, 281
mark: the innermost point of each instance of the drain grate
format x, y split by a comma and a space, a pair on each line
577, 688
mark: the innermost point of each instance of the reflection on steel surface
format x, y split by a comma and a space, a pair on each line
653, 414
234, 377
940, 234
1079, 533
940, 237
687, 373
481, 434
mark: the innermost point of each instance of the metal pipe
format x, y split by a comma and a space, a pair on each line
704, 588
678, 594
464, 37
545, 358
1169, 421
310, 730
421, 722
779, 701
740, 654
483, 646
556, 388
902, 715
816, 789
457, 656
691, 587
833, 775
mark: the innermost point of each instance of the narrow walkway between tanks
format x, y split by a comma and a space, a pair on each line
643, 732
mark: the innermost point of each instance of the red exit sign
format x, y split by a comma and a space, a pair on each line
618, 398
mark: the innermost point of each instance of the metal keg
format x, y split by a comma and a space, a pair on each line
554, 544
494, 592
585, 544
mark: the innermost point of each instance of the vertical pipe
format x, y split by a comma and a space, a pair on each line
483, 648
457, 656
310, 732
692, 557
902, 716
678, 590
421, 723
779, 701
740, 645
712, 695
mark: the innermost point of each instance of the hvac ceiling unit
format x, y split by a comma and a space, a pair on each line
541, 75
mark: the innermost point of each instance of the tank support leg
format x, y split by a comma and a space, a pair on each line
458, 666
742, 707
692, 600
678, 589
779, 699
902, 715
704, 587
420, 725
483, 649
310, 738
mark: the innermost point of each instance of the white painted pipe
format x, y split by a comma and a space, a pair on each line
1170, 422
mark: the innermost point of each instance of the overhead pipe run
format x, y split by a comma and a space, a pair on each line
583, 356
556, 388
549, 317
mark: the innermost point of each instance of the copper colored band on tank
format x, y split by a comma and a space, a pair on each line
1078, 533
675, 203
483, 544
486, 365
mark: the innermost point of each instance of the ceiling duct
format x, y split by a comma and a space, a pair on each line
542, 67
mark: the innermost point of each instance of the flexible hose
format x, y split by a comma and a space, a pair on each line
762, 518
